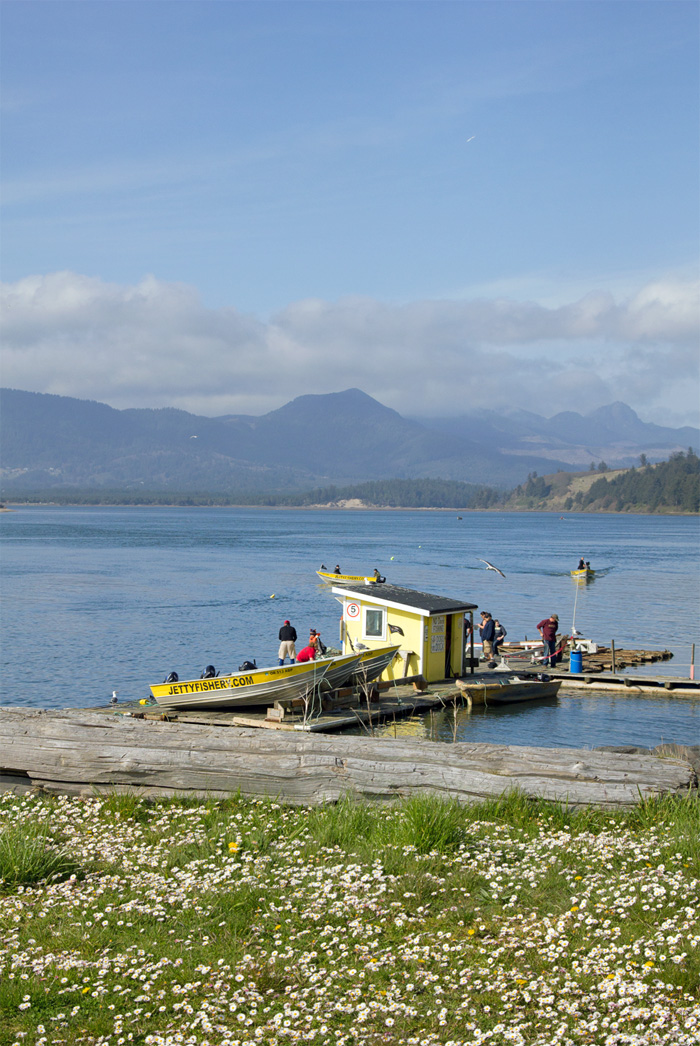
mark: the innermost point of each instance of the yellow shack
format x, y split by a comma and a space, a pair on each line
429, 630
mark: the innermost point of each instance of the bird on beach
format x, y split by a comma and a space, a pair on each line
490, 566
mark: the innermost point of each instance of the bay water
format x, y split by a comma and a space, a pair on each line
103, 599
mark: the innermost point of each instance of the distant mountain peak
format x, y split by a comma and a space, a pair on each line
332, 404
618, 410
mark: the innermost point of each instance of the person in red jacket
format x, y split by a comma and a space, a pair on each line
547, 628
308, 653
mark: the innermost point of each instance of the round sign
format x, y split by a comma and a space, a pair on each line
353, 610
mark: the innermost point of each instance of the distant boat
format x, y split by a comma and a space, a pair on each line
346, 579
258, 686
584, 574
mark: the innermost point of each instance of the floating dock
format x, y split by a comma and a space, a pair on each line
660, 685
388, 701
393, 701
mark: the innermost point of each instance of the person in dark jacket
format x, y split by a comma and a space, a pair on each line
287, 637
499, 635
487, 631
547, 628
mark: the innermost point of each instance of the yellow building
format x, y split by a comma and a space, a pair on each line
429, 630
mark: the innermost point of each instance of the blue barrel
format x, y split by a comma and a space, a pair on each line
576, 661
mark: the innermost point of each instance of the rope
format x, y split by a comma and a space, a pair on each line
545, 657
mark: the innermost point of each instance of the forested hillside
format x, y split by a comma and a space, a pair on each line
390, 493
671, 486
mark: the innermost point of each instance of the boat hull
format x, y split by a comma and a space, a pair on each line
346, 579
261, 686
583, 574
339, 671
524, 690
373, 662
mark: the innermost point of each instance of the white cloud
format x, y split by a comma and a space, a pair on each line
155, 345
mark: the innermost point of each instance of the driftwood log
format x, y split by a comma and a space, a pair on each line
75, 752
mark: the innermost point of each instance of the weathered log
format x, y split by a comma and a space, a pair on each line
79, 752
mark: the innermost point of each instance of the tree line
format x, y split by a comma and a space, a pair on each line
671, 486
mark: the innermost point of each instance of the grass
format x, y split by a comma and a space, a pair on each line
28, 856
234, 923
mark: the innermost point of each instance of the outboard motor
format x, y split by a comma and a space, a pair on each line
172, 678
208, 673
247, 666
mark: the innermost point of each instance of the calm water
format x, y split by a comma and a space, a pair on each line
103, 599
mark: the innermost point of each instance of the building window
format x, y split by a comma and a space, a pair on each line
374, 624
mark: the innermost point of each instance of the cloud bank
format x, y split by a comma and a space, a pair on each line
156, 345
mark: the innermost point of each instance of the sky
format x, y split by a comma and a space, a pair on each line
221, 206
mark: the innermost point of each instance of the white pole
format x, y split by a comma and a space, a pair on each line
573, 624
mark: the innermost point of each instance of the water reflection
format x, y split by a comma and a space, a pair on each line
571, 720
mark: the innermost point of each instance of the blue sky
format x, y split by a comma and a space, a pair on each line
220, 206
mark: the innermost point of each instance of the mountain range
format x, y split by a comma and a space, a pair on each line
49, 441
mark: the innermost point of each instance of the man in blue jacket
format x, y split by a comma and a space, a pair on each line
487, 631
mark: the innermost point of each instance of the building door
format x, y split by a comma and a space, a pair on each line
449, 625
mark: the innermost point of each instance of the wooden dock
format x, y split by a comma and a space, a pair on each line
648, 685
389, 701
602, 670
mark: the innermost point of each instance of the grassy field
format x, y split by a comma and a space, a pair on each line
241, 923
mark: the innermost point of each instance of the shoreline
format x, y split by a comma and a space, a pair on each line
13, 506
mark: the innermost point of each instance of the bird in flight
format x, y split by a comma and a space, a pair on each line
472, 138
490, 566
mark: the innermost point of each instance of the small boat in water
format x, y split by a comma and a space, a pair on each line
243, 689
508, 690
332, 578
583, 575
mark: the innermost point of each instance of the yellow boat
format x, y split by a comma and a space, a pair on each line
583, 574
373, 662
339, 669
346, 579
258, 686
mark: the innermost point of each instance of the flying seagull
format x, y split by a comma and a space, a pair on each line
490, 566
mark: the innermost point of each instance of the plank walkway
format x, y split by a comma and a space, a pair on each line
393, 702
660, 685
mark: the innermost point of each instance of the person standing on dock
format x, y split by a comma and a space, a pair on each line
287, 638
487, 631
547, 628
499, 635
